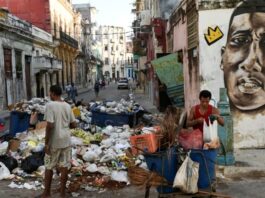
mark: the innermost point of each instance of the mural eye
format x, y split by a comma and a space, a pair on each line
241, 40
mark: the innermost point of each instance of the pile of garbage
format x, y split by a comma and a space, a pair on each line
100, 158
113, 107
36, 104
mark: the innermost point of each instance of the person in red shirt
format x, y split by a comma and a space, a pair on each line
203, 111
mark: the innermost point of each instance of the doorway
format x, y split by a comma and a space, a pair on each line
28, 76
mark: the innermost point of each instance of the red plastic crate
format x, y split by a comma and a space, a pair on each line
146, 142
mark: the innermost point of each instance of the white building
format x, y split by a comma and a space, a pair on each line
113, 42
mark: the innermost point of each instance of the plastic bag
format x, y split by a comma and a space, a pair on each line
4, 172
190, 139
33, 162
210, 132
33, 118
187, 176
9, 162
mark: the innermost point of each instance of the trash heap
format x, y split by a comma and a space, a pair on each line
101, 156
37, 104
113, 107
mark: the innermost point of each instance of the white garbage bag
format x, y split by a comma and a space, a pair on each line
187, 176
90, 156
210, 132
92, 168
4, 172
120, 176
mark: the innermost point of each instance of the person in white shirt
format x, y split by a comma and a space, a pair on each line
60, 119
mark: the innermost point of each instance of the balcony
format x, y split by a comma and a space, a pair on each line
57, 64
112, 52
121, 53
68, 40
145, 16
42, 62
121, 41
112, 40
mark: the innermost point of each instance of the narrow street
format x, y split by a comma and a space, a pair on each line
109, 92
236, 188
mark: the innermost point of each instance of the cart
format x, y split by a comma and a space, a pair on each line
167, 164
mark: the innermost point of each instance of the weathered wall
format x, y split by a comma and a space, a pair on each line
37, 13
242, 60
13, 89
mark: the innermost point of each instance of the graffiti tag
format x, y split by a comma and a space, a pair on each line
213, 35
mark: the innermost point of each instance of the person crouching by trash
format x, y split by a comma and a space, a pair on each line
204, 112
60, 119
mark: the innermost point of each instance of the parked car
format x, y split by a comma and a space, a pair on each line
123, 83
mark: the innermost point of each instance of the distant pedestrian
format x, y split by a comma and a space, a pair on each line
68, 91
96, 88
73, 92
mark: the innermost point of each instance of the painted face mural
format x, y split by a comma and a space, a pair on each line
243, 61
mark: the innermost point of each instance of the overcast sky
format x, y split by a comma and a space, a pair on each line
112, 12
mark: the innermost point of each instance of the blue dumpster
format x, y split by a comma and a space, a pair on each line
19, 122
103, 119
165, 163
207, 160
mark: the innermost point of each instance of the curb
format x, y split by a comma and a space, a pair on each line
241, 172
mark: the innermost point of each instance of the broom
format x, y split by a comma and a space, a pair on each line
141, 177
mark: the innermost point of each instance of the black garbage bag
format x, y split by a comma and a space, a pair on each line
33, 162
9, 162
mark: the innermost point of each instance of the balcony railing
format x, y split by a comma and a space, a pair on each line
68, 40
57, 64
42, 62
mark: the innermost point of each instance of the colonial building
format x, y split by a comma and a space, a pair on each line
27, 63
113, 51
58, 18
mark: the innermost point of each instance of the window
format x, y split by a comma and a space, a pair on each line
8, 62
18, 57
106, 47
117, 48
112, 48
106, 61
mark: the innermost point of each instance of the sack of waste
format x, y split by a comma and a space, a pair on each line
4, 172
33, 162
9, 162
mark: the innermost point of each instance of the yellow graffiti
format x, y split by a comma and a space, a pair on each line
213, 35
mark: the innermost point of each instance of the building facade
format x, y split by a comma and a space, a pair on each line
28, 67
58, 18
113, 42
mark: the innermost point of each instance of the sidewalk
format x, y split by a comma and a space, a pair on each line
80, 91
144, 101
249, 164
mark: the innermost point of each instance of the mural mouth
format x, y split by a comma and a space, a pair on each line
249, 85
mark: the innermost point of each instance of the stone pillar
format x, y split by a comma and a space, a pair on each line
226, 151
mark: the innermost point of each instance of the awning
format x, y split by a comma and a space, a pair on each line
169, 70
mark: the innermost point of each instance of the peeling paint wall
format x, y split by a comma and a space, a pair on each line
244, 75
14, 89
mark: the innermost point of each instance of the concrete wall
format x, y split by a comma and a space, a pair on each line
249, 125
